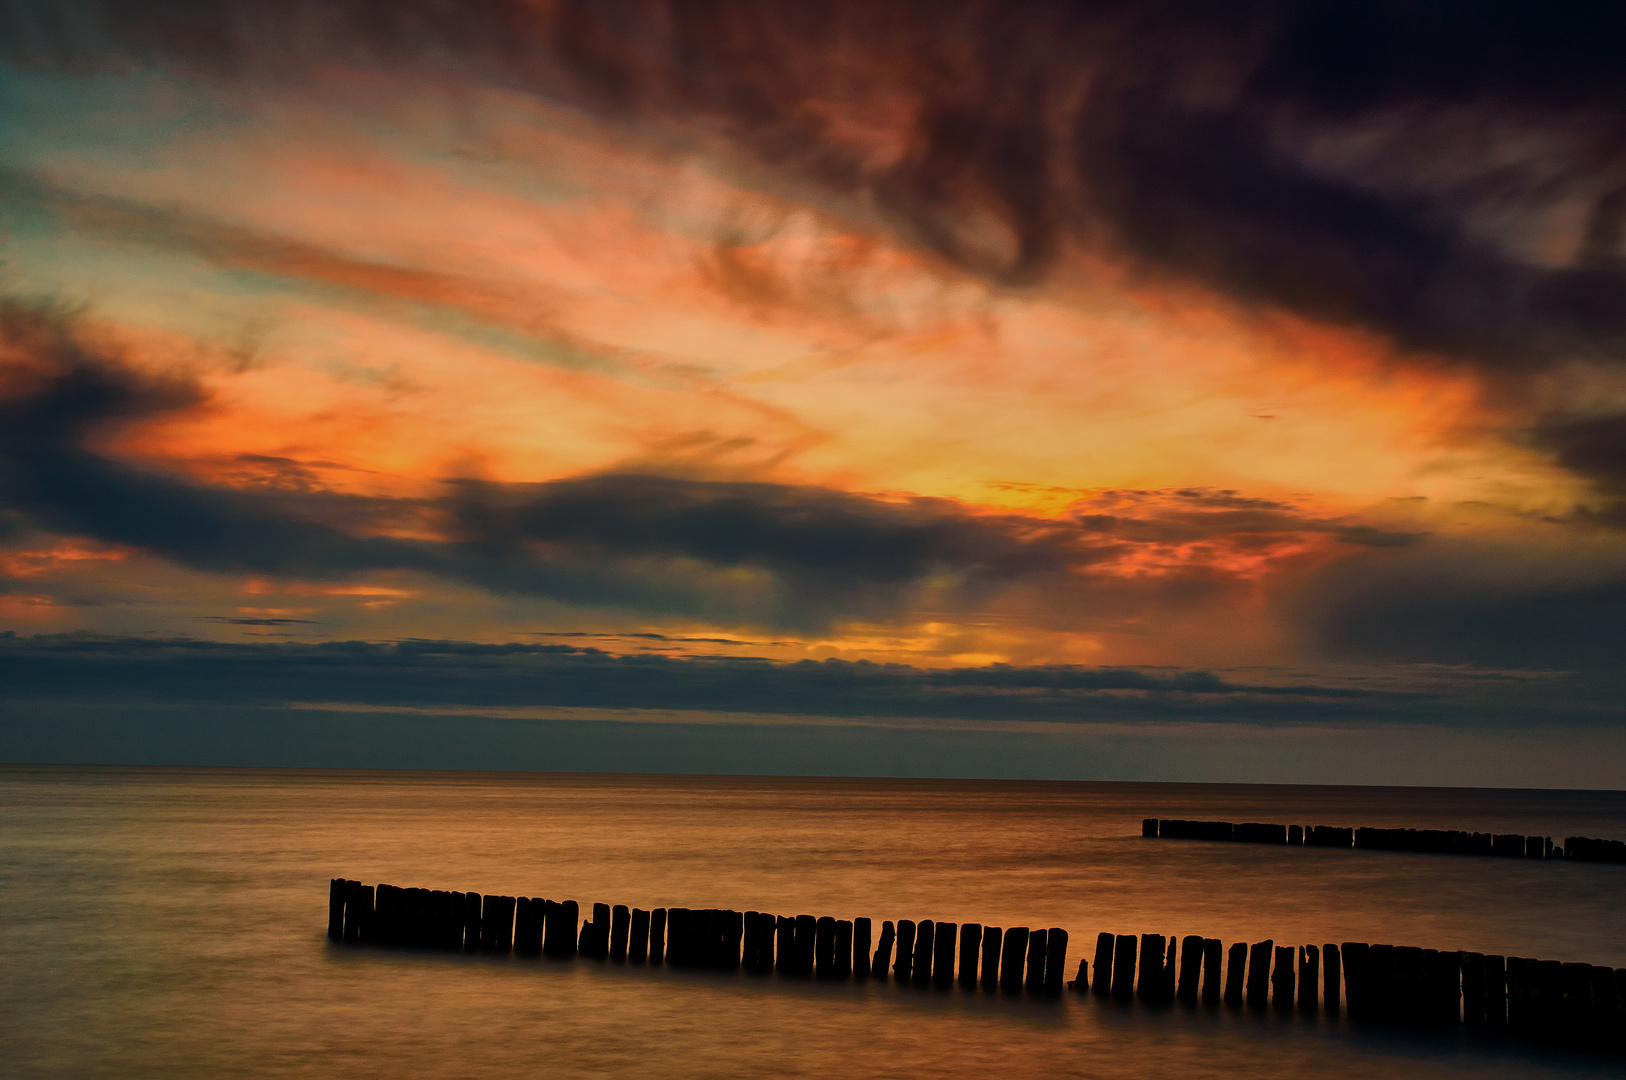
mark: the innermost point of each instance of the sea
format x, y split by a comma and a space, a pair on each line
171, 922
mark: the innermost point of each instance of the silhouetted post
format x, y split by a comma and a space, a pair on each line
970, 939
1282, 982
1357, 958
1295, 834
1382, 990
807, 928
1055, 959
638, 940
1191, 966
1011, 958
843, 966
1408, 999
352, 911
1235, 968
943, 953
992, 944
1442, 981
601, 930
1332, 975
1150, 986
529, 916
1213, 976
752, 941
620, 926
1148, 826
497, 924
1038, 943
861, 950
1259, 974
733, 929
1123, 967
785, 933
1309, 977
883, 951
471, 922
1166, 987
904, 966
1103, 964
1081, 981
925, 938
335, 908
824, 946
657, 936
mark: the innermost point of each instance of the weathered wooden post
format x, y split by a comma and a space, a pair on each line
1442, 980
1407, 999
943, 953
1150, 984
1148, 826
528, 919
843, 968
1295, 834
1081, 981
861, 949
1213, 975
1191, 965
785, 933
620, 926
471, 922
657, 936
638, 942
335, 908
1309, 977
1038, 943
1384, 986
1332, 977
1259, 958
992, 945
752, 941
1011, 958
807, 928
824, 946
970, 939
1055, 960
1103, 964
352, 911
1123, 967
733, 930
925, 938
1357, 958
883, 951
903, 968
1235, 969
1282, 982
497, 924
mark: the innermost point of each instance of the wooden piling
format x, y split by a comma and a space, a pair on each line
785, 939
1259, 957
1383, 983
1081, 981
970, 941
925, 939
1191, 965
903, 967
1442, 986
1038, 944
1055, 959
1309, 977
733, 929
335, 909
1357, 966
657, 936
1148, 827
993, 940
1235, 970
861, 949
601, 931
1103, 964
1410, 1000
497, 924
528, 924
620, 928
1123, 967
843, 967
638, 939
883, 951
806, 932
471, 921
752, 941
1149, 984
1295, 834
1283, 980
943, 953
1012, 955
352, 911
824, 947
1213, 975
1332, 977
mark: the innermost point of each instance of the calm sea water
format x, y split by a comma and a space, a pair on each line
170, 923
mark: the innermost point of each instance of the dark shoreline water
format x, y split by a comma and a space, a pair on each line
170, 921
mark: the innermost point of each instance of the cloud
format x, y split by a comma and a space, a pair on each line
1595, 448
1391, 166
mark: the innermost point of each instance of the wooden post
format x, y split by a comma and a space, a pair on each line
904, 967
733, 929
824, 946
1309, 977
861, 949
1213, 975
1259, 974
807, 928
1166, 987
1150, 984
1191, 965
843, 967
335, 908
883, 951
1442, 981
1357, 958
620, 926
943, 953
1409, 1000
1332, 976
970, 939
1103, 964
1235, 969
638, 942
657, 936
1011, 958
471, 922
497, 924
925, 938
1383, 988
1081, 981
992, 944
752, 941
1282, 982
1055, 959
528, 924
1123, 967
1148, 827
1038, 944
785, 938
601, 931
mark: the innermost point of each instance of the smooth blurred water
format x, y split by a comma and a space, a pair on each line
170, 922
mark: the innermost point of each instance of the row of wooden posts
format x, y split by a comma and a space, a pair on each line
1579, 1004
1438, 841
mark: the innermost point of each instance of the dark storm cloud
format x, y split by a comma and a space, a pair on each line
448, 674
1595, 448
1336, 157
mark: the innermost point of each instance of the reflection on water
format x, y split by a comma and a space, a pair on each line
170, 922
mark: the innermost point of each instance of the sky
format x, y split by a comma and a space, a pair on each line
1103, 390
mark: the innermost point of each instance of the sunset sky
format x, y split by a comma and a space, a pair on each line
1140, 389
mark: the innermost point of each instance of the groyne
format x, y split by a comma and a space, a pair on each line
1582, 1006
1436, 841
